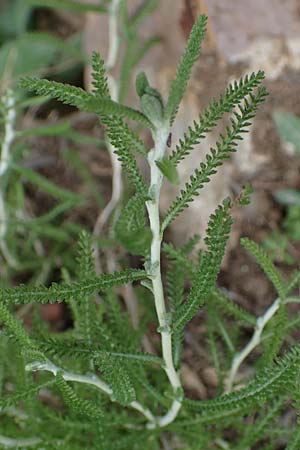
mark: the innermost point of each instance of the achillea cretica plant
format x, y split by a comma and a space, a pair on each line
94, 386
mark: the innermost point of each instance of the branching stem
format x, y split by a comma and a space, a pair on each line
254, 342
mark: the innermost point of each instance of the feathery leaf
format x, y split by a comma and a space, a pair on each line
188, 59
218, 230
131, 228
74, 348
100, 84
14, 326
235, 93
116, 374
86, 305
124, 142
217, 156
228, 306
64, 291
266, 264
74, 96
79, 405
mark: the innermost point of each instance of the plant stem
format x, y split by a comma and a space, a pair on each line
92, 379
18, 443
9, 135
114, 40
160, 140
117, 185
254, 342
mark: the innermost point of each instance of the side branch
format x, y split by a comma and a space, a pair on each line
92, 379
254, 342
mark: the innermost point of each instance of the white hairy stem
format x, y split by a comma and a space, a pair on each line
160, 139
8, 442
117, 185
9, 135
113, 34
9, 132
90, 379
252, 344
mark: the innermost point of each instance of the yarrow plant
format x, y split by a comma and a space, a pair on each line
95, 386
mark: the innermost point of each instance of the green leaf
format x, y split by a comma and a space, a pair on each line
141, 84
224, 147
218, 230
32, 53
85, 308
116, 374
191, 53
14, 18
131, 229
74, 348
64, 291
179, 255
57, 129
142, 358
83, 100
168, 169
245, 196
47, 186
124, 142
234, 94
175, 292
79, 405
68, 5
288, 127
138, 242
267, 265
63, 129
99, 82
229, 307
152, 108
14, 326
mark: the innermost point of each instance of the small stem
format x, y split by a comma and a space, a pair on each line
21, 442
93, 380
254, 342
160, 140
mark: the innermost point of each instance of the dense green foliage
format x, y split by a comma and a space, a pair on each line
96, 385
